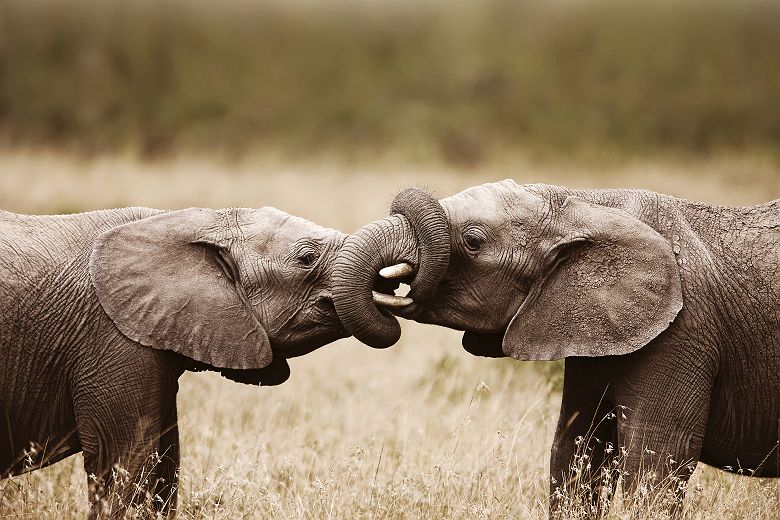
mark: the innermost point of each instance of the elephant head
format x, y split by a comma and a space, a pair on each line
532, 273
236, 290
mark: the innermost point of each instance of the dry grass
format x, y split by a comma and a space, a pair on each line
421, 430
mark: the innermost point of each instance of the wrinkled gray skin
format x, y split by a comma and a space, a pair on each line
665, 310
100, 313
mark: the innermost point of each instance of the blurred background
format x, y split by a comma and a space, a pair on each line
326, 109
214, 97
458, 82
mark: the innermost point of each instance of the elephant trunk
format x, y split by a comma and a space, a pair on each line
416, 233
430, 226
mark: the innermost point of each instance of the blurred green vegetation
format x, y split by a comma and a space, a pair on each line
458, 81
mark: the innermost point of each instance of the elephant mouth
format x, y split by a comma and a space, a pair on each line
388, 282
321, 315
318, 326
483, 342
384, 294
309, 344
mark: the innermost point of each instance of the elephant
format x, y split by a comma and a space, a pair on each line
665, 311
102, 312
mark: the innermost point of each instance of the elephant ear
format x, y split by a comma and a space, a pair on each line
169, 282
612, 285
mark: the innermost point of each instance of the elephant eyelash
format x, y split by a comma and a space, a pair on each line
308, 258
473, 239
307, 255
473, 243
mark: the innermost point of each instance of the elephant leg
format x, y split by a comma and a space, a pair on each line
132, 464
114, 461
7, 452
130, 445
166, 472
661, 428
585, 437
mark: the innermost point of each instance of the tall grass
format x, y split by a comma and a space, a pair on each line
421, 431
460, 81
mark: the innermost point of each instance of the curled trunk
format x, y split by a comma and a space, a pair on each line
430, 226
417, 233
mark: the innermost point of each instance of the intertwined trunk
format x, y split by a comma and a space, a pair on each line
416, 232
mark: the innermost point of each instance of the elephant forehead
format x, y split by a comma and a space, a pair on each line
271, 229
495, 203
478, 203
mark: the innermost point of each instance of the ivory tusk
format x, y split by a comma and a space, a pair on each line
387, 300
396, 271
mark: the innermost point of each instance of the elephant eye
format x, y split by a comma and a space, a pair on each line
473, 240
307, 256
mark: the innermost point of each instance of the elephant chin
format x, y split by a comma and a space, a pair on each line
484, 345
278, 371
274, 374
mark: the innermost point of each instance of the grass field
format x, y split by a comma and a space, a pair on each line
421, 430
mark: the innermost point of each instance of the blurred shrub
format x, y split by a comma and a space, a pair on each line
432, 79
